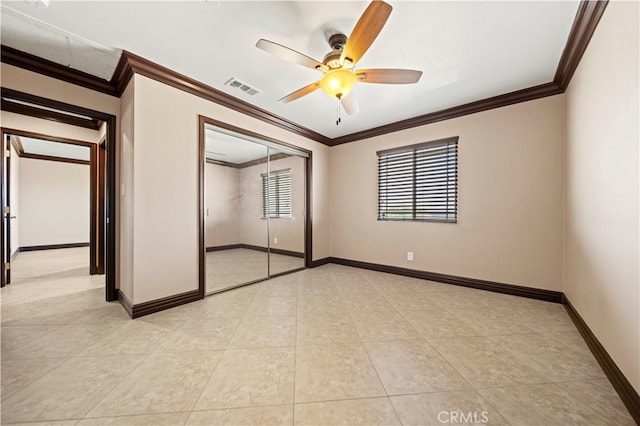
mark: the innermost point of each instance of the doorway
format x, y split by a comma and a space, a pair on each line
105, 160
254, 207
54, 197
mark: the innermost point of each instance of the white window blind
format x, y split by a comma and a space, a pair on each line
419, 182
276, 194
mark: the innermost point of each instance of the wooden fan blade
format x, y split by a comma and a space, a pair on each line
301, 92
288, 54
388, 76
366, 30
350, 104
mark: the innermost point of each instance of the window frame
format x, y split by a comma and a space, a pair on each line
266, 214
382, 189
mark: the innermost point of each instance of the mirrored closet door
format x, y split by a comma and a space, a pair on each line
285, 200
254, 202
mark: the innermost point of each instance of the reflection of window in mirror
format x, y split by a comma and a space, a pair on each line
276, 194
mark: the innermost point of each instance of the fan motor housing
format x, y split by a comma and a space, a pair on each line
332, 59
337, 42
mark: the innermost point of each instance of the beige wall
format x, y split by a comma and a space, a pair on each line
165, 184
601, 234
54, 202
222, 204
288, 232
234, 203
510, 199
253, 229
125, 223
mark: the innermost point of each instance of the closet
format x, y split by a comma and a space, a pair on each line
255, 205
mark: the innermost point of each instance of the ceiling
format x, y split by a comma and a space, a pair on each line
54, 149
231, 147
468, 51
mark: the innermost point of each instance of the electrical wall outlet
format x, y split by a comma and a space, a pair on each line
410, 256
275, 240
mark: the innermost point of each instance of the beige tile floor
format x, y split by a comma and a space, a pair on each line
229, 268
331, 345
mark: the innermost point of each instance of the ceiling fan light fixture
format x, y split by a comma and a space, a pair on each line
338, 82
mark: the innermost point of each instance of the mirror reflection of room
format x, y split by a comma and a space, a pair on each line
254, 211
283, 204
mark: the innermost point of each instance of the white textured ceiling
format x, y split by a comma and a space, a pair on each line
234, 148
467, 50
55, 149
223, 147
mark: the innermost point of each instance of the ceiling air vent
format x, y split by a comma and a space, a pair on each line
237, 84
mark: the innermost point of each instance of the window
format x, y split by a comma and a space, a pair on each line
276, 194
419, 182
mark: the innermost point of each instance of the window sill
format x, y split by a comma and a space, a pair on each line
419, 220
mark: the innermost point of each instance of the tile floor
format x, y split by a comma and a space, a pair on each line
331, 345
228, 268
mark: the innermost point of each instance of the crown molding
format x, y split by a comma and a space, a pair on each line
584, 25
529, 94
142, 66
43, 66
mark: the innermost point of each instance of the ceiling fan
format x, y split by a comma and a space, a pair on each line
338, 66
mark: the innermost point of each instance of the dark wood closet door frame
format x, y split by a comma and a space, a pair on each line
308, 254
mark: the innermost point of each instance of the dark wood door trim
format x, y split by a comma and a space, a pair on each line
202, 158
5, 226
100, 214
93, 210
94, 192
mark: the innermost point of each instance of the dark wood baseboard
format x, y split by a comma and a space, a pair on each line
287, 253
227, 247
157, 305
53, 246
161, 304
126, 303
625, 390
496, 287
257, 248
319, 262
